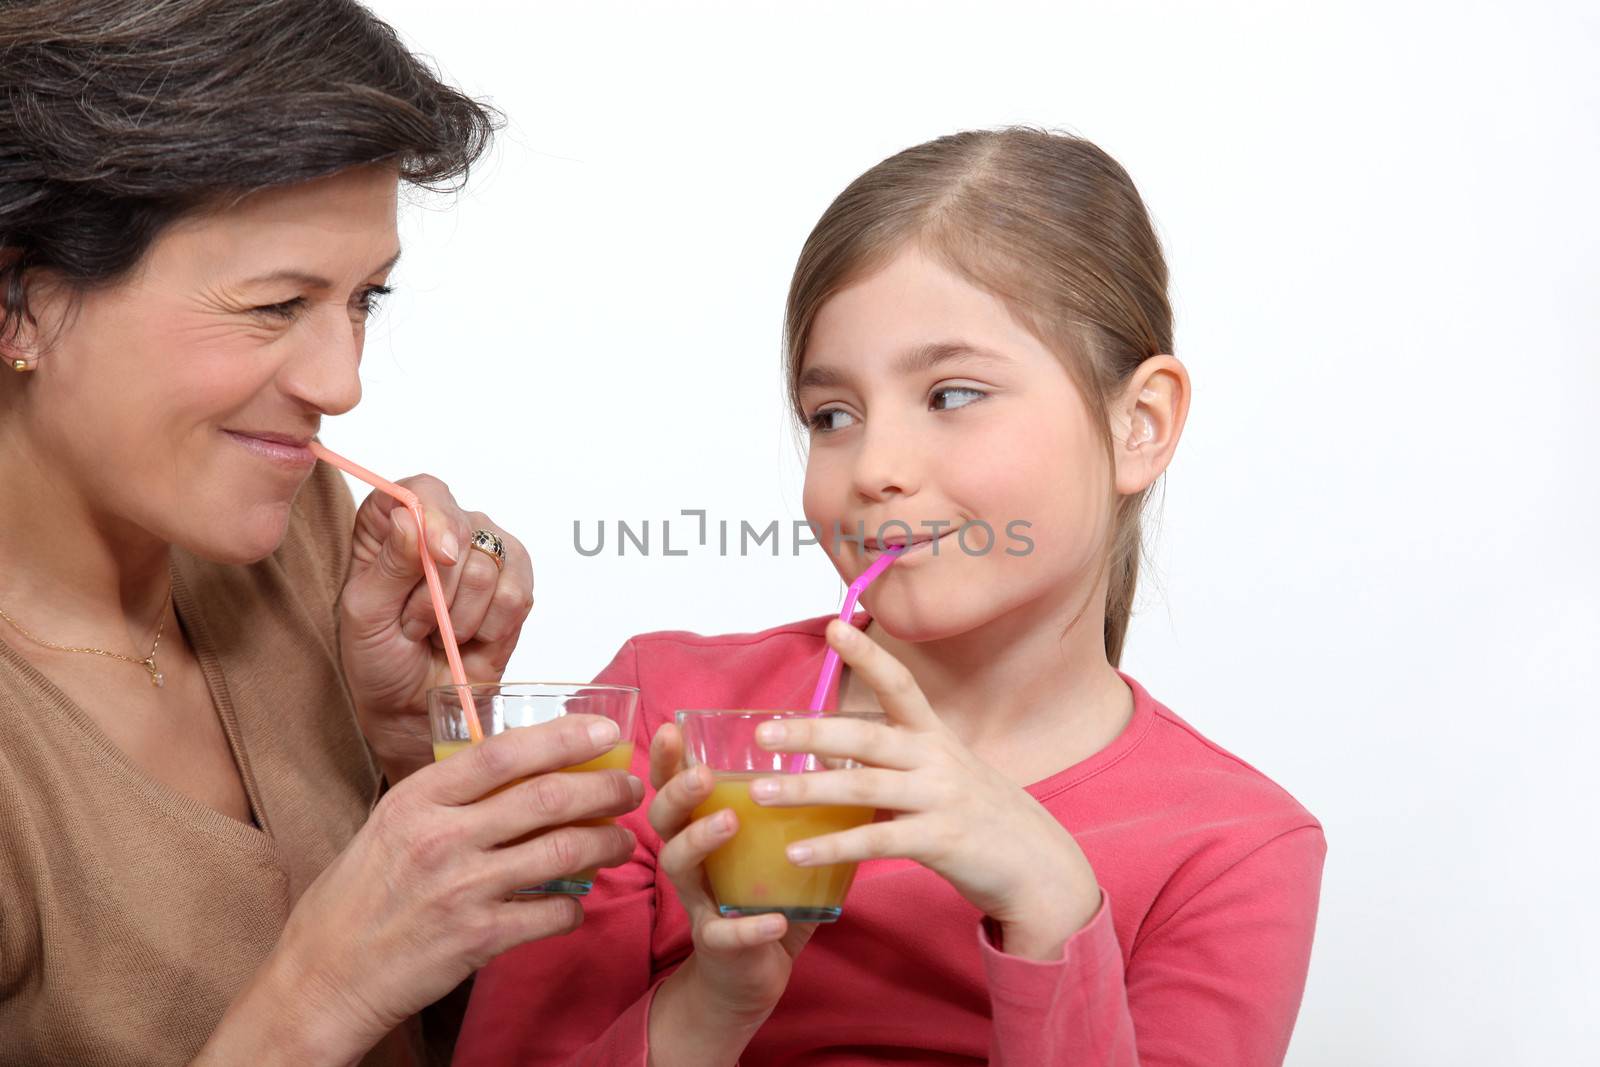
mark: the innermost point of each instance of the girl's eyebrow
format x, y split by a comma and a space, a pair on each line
928, 356
922, 358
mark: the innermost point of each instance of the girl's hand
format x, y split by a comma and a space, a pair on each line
952, 813
710, 1008
388, 637
419, 898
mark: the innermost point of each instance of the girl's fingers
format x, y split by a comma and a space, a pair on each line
865, 787
674, 803
666, 754
897, 838
730, 935
552, 800
842, 737
897, 690
683, 858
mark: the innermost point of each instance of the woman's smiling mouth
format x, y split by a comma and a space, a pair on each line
285, 449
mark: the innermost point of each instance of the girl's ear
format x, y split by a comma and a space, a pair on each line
1147, 420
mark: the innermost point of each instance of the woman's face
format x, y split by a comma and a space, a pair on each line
181, 399
929, 403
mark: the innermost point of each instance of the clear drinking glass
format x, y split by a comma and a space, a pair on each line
505, 706
750, 874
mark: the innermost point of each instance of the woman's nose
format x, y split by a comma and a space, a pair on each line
325, 373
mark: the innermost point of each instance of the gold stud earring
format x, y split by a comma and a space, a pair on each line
21, 366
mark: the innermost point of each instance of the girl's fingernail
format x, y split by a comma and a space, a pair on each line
764, 789
770, 733
450, 545
844, 633
771, 926
604, 732
798, 853
413, 630
723, 822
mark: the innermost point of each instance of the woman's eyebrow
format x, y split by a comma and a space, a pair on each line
315, 281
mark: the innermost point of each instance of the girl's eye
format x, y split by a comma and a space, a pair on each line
827, 420
954, 396
286, 310
367, 302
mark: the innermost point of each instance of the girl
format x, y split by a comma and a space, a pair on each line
978, 339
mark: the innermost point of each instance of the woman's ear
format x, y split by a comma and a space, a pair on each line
1147, 420
22, 338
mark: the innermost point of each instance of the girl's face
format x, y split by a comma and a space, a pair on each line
181, 399
929, 405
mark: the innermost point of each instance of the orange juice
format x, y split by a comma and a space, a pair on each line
751, 874
619, 758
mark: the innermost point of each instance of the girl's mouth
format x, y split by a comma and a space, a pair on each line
916, 544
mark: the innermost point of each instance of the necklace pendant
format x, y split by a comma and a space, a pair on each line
157, 679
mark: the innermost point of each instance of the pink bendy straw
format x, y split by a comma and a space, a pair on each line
430, 574
830, 662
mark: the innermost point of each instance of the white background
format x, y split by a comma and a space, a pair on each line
1374, 569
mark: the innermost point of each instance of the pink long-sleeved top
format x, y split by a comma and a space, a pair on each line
1209, 873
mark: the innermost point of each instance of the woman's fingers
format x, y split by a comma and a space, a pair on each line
555, 799
479, 579
524, 919
866, 787
479, 769
386, 574
447, 523
896, 688
510, 591
559, 853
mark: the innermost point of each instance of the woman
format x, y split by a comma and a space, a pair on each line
197, 214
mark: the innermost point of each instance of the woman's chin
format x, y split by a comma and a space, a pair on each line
247, 536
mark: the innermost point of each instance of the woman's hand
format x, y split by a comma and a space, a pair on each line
713, 1004
419, 899
388, 636
952, 813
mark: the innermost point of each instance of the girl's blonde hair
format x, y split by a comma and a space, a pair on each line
1047, 222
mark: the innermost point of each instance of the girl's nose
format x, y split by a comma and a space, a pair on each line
887, 464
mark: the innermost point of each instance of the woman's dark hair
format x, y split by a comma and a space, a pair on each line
119, 116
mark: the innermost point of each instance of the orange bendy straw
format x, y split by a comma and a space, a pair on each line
430, 573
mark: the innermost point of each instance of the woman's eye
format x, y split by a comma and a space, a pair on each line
954, 396
829, 419
285, 310
367, 303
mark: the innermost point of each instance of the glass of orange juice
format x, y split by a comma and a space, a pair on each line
505, 706
750, 874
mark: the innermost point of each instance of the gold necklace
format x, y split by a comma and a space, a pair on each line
157, 679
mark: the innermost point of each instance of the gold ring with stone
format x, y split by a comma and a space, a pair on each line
489, 543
